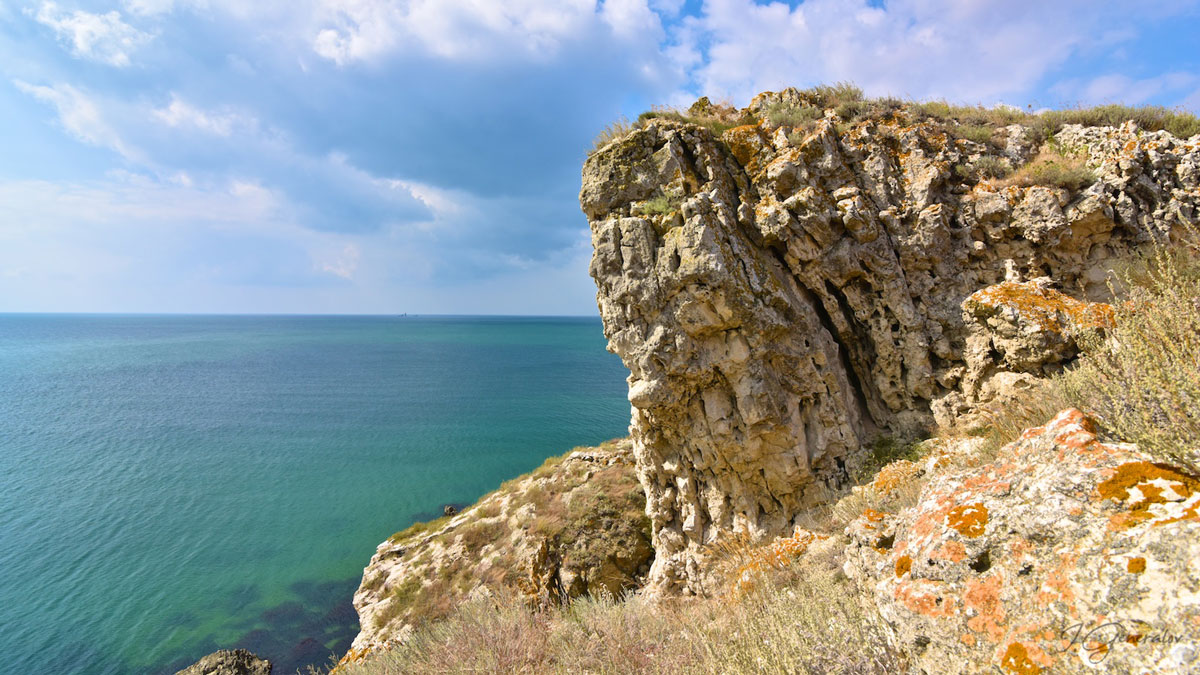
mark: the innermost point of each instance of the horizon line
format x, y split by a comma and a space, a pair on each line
304, 314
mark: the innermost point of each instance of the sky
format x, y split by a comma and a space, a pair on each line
423, 156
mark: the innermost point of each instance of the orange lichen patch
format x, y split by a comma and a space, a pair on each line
354, 656
1045, 307
969, 519
1057, 585
873, 517
1067, 421
951, 550
922, 597
903, 565
983, 595
895, 476
967, 639
1136, 565
1154, 493
990, 480
1032, 432
1074, 431
1019, 548
745, 142
1016, 660
1133, 639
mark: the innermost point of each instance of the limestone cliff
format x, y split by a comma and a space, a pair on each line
781, 296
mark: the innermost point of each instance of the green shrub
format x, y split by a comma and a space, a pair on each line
980, 133
1180, 123
990, 167
418, 528
659, 205
884, 451
971, 116
784, 115
1053, 169
833, 95
716, 118
1142, 380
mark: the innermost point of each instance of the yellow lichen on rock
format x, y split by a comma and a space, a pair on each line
1152, 493
969, 520
1047, 308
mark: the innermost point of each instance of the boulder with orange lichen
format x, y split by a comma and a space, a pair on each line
1017, 333
1065, 554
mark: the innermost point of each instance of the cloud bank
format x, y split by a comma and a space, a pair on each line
423, 155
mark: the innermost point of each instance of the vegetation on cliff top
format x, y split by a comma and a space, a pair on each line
846, 103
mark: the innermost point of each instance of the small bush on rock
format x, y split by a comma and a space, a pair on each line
1142, 380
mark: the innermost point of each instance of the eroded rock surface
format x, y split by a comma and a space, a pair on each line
780, 298
229, 662
1064, 555
575, 526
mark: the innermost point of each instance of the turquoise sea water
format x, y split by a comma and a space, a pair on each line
171, 485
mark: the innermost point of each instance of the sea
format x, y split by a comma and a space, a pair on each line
171, 485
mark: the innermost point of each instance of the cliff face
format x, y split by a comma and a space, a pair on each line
781, 299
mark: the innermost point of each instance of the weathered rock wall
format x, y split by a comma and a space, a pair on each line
781, 299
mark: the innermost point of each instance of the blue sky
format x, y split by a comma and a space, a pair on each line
423, 156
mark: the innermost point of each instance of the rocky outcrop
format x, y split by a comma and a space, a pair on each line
575, 526
1016, 334
1065, 554
229, 662
783, 296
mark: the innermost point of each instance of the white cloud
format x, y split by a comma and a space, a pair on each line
79, 115
357, 30
180, 114
1192, 101
98, 37
977, 51
344, 264
148, 7
1117, 88
630, 18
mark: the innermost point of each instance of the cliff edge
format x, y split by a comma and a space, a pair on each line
785, 293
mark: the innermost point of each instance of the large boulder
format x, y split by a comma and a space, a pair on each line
1064, 554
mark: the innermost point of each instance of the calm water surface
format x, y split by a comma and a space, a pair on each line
172, 485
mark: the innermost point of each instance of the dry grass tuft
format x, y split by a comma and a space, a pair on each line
802, 617
1055, 169
620, 128
1142, 380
